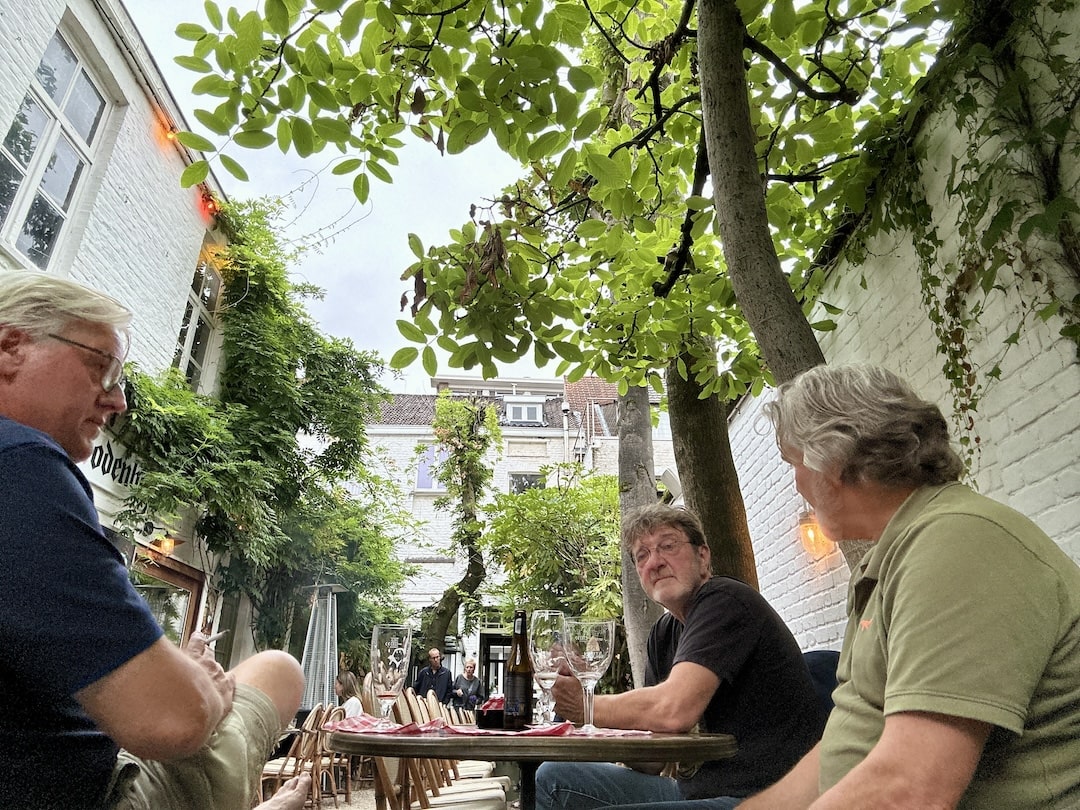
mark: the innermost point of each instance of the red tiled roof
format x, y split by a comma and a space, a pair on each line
590, 389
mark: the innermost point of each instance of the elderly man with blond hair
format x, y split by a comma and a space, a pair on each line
97, 708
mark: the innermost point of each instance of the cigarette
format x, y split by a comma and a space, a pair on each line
216, 636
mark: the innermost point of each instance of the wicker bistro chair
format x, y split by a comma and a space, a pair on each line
437, 775
333, 766
299, 759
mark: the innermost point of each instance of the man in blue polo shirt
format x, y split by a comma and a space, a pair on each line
97, 708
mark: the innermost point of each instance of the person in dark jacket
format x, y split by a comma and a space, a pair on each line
434, 677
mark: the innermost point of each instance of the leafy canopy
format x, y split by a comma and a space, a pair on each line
603, 257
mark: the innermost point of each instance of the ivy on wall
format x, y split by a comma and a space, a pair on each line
263, 464
1004, 237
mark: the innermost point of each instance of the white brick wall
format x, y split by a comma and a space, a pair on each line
136, 233
1028, 421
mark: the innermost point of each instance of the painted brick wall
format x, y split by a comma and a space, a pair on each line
1028, 421
136, 233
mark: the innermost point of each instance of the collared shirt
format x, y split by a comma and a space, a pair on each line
965, 608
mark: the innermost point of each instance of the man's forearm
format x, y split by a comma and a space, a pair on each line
647, 709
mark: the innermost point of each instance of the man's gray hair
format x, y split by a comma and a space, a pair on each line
39, 304
647, 519
866, 424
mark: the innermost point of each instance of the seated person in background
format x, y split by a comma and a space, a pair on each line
959, 679
347, 688
434, 677
97, 708
467, 692
721, 659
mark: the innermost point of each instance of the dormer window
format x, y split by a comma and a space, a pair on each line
524, 410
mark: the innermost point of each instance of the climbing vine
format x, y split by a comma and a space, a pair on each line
1009, 205
276, 511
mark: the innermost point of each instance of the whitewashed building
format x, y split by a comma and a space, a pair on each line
543, 422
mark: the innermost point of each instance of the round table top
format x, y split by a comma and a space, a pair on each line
571, 748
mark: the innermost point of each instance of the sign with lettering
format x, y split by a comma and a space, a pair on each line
111, 468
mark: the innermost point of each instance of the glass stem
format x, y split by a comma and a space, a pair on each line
548, 712
588, 704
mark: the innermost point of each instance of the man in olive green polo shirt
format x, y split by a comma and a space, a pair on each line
959, 679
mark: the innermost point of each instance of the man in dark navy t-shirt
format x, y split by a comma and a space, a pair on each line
97, 708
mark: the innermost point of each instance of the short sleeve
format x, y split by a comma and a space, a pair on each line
965, 607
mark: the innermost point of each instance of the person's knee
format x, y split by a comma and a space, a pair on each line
276, 674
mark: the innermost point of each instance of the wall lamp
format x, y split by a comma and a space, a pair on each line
163, 541
811, 536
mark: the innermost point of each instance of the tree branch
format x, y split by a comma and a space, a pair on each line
678, 262
844, 94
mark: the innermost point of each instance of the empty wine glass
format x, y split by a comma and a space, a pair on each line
546, 633
391, 647
589, 646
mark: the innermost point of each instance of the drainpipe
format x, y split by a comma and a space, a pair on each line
566, 432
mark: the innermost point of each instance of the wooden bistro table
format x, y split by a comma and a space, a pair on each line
530, 750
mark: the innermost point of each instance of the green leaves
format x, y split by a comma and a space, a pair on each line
194, 174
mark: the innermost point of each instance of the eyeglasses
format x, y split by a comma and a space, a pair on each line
112, 376
663, 549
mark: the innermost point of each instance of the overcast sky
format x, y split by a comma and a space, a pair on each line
361, 269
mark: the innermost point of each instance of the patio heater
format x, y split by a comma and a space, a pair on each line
320, 659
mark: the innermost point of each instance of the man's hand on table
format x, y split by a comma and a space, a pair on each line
569, 697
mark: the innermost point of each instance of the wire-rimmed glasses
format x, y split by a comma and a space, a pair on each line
547, 631
113, 373
391, 648
590, 643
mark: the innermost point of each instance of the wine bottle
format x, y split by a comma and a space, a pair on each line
518, 683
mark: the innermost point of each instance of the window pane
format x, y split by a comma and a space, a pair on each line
56, 68
207, 285
193, 375
26, 131
85, 107
63, 172
39, 232
10, 178
200, 341
181, 341
169, 603
520, 482
425, 472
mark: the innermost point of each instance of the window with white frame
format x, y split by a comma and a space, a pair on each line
432, 456
524, 410
48, 151
200, 324
519, 482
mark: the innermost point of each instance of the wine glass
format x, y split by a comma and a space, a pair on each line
589, 647
546, 634
391, 647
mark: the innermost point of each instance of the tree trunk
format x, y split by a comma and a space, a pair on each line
782, 331
637, 487
710, 485
436, 622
